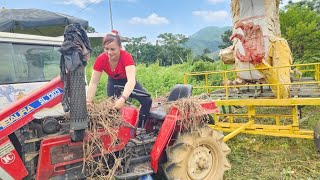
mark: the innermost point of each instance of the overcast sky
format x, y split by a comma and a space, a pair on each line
135, 18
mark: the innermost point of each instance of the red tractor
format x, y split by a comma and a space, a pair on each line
200, 154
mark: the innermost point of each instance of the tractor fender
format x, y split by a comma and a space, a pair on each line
167, 129
164, 136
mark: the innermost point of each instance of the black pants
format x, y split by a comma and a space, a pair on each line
144, 101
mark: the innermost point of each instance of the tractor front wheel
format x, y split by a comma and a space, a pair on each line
199, 155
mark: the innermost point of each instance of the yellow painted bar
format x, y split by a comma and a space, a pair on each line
255, 85
277, 120
185, 79
254, 126
215, 118
306, 132
231, 119
242, 70
317, 72
251, 112
207, 82
237, 131
269, 102
295, 120
225, 78
257, 115
307, 135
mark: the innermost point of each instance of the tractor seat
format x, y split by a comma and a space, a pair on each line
177, 92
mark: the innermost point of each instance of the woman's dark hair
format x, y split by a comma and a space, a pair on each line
110, 37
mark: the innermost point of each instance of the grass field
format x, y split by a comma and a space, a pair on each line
264, 157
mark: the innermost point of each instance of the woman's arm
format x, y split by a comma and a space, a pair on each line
131, 82
95, 78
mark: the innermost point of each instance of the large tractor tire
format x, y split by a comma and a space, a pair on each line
199, 155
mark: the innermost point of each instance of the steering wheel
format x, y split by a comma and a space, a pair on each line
135, 92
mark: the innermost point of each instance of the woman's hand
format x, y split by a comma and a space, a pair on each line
119, 103
89, 104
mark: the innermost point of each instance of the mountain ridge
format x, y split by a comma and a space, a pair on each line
208, 37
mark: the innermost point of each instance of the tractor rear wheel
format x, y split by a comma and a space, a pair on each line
199, 155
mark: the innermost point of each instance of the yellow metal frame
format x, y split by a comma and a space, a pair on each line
250, 125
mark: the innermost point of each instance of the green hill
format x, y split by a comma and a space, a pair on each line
208, 37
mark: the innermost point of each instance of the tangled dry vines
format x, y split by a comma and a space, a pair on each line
192, 114
99, 162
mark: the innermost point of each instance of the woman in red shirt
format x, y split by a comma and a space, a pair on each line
119, 66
